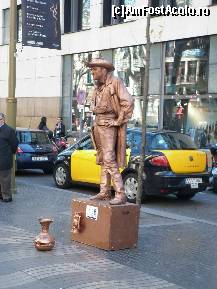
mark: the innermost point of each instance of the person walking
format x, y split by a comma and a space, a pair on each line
8, 147
113, 107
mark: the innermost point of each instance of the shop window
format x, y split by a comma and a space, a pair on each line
76, 15
107, 11
153, 112
214, 2
196, 116
82, 87
186, 66
6, 25
130, 67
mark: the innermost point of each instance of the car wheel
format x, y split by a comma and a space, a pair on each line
130, 181
185, 196
48, 171
61, 176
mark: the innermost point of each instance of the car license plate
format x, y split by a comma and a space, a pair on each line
42, 158
193, 182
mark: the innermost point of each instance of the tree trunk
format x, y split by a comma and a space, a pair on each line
144, 111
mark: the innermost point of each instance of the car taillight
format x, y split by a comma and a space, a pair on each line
19, 151
159, 161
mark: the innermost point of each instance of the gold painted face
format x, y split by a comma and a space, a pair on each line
98, 72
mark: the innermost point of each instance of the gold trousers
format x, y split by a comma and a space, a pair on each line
105, 139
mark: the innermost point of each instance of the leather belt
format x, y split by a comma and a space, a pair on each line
101, 119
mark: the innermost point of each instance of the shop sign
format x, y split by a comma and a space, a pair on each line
41, 23
194, 53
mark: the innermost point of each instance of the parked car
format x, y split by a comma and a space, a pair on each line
35, 150
172, 165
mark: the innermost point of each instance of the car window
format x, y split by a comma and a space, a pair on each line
86, 144
183, 141
160, 142
32, 137
129, 137
135, 141
175, 141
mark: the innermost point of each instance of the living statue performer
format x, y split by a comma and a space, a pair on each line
113, 107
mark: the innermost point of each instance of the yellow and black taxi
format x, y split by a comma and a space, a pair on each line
172, 165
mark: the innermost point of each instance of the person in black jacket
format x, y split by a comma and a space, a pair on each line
8, 147
59, 130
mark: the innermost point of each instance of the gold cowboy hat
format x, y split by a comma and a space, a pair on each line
101, 63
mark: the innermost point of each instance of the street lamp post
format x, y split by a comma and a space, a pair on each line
144, 109
11, 100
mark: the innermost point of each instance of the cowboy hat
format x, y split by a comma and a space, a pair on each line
100, 62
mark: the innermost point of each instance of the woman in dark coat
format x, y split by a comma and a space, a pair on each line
43, 124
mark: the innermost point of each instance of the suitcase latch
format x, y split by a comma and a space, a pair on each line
76, 223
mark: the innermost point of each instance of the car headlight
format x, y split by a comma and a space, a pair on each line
61, 158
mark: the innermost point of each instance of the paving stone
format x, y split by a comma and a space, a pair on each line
149, 284
33, 285
172, 252
14, 279
59, 269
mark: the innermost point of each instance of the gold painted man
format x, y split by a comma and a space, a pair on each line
113, 107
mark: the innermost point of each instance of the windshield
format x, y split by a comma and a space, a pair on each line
134, 141
174, 141
33, 137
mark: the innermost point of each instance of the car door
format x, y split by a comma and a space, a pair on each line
83, 163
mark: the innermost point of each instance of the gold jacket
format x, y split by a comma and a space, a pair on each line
113, 100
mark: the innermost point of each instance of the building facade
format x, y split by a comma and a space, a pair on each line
183, 66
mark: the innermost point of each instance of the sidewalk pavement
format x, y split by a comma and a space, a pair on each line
171, 251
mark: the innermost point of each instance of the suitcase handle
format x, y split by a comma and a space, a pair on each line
76, 223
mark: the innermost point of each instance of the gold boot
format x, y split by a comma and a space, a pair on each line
102, 196
119, 199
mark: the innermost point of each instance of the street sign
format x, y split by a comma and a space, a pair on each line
81, 96
41, 23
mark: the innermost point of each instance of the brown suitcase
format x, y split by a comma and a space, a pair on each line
104, 226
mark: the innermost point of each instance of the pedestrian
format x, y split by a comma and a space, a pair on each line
113, 107
88, 119
8, 147
43, 124
59, 130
